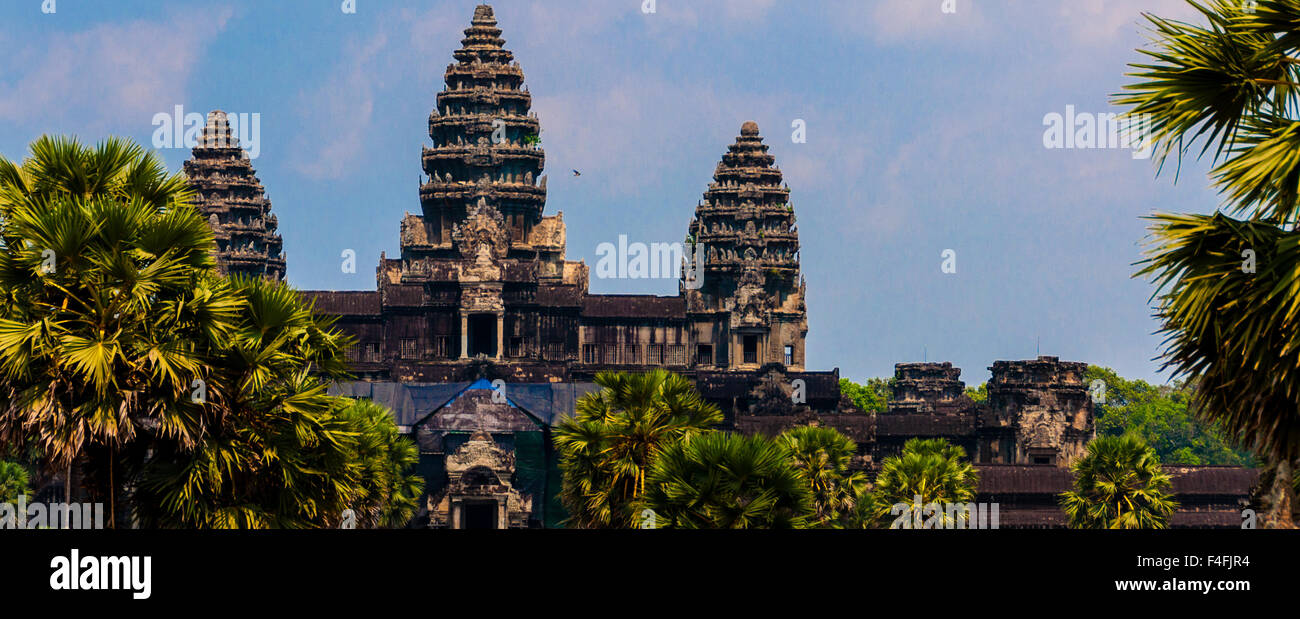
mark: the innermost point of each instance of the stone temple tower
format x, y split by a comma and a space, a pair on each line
486, 145
480, 253
1040, 413
229, 194
750, 287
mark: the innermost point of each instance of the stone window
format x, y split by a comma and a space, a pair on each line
410, 348
789, 354
442, 347
372, 352
704, 354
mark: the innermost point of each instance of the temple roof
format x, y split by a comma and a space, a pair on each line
1226, 481
345, 303
414, 402
633, 306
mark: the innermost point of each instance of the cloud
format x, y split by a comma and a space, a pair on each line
339, 114
1084, 23
898, 21
1102, 22
107, 73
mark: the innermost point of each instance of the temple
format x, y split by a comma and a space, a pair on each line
228, 192
482, 279
482, 334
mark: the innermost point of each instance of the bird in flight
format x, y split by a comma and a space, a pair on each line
577, 173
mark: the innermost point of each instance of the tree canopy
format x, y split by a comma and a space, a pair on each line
1163, 416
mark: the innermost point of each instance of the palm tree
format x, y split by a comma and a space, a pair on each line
278, 452
614, 437
122, 350
727, 481
1119, 485
391, 490
1227, 284
100, 299
13, 481
822, 456
932, 469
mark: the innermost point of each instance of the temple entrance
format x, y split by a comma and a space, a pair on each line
479, 494
480, 515
483, 335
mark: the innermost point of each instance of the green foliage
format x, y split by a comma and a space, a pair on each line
1228, 289
979, 394
102, 292
872, 397
282, 453
1119, 485
615, 436
390, 490
932, 469
13, 482
122, 350
1163, 417
720, 480
822, 456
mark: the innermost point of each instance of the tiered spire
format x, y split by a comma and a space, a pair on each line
746, 222
229, 194
486, 143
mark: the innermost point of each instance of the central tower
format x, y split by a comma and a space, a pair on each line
480, 254
486, 142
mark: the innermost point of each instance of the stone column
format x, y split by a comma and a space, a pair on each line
503, 518
464, 335
501, 330
455, 513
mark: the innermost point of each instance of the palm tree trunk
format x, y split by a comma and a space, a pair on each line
1281, 497
67, 490
112, 494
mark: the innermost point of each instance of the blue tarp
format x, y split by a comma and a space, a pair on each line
412, 402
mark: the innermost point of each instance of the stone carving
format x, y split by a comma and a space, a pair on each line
481, 238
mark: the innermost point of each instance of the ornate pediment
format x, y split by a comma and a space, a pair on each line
478, 453
483, 242
482, 235
751, 305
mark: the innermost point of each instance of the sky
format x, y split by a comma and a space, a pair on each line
924, 133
